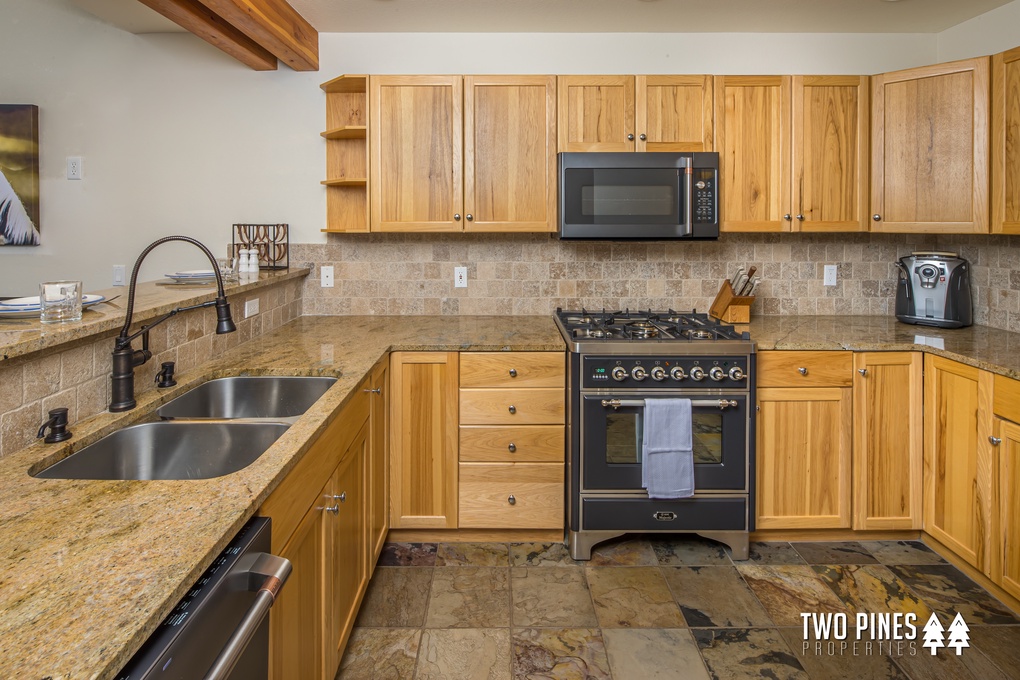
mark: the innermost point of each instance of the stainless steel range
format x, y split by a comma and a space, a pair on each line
617, 361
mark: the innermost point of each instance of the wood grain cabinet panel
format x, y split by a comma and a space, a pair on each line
958, 466
778, 368
511, 495
595, 113
1006, 142
929, 147
512, 443
674, 113
888, 440
1006, 571
512, 369
377, 465
527, 406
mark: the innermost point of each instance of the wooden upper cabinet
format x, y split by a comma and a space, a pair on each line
830, 153
416, 147
596, 113
930, 149
510, 153
752, 136
1006, 142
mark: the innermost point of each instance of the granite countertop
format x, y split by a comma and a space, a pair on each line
89, 568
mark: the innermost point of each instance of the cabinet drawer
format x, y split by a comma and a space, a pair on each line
512, 369
805, 369
541, 406
525, 444
536, 490
1006, 398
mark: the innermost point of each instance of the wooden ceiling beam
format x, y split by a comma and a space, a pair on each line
209, 26
274, 25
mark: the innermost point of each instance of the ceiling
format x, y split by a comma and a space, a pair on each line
597, 16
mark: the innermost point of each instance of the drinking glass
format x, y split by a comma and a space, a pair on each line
59, 301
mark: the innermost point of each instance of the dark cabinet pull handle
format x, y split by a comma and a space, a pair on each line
511, 500
512, 409
630, 138
512, 447
513, 372
787, 217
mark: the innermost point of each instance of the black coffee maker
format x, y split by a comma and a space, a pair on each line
934, 290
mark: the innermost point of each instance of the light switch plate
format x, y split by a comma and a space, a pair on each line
326, 276
830, 275
119, 275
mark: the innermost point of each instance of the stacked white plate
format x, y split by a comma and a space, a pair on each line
28, 307
193, 276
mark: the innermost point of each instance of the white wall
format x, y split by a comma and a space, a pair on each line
179, 138
989, 33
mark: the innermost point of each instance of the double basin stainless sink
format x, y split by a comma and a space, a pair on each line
217, 428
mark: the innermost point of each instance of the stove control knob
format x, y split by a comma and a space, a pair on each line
638, 373
658, 373
697, 373
737, 373
677, 373
716, 373
619, 373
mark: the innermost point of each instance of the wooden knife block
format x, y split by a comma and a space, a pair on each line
729, 307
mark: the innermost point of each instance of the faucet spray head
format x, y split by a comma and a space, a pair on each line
224, 324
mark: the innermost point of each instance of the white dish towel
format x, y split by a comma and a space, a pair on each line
667, 451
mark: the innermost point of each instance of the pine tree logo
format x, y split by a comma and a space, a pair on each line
958, 634
933, 638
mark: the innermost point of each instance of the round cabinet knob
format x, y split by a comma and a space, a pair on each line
697, 373
512, 448
511, 500
335, 509
512, 409
995, 441
862, 371
716, 373
658, 373
677, 373
342, 497
799, 217
876, 217
737, 373
513, 372
619, 373
456, 217
802, 370
642, 137
469, 217
787, 217
630, 138
638, 373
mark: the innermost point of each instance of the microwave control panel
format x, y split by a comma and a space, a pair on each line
704, 195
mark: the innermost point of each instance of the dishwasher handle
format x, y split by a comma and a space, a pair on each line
264, 574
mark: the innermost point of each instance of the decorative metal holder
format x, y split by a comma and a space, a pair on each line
271, 240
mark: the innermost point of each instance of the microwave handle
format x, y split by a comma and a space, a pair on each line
688, 201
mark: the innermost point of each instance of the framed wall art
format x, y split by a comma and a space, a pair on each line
19, 175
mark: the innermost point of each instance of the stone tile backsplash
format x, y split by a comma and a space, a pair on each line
535, 273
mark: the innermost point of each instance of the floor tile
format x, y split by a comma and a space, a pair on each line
380, 653
948, 591
560, 653
408, 555
635, 552
834, 553
838, 663
714, 596
472, 554
633, 598
472, 654
734, 653
396, 597
653, 654
769, 553
872, 588
902, 552
689, 551
469, 597
1001, 644
541, 555
548, 596
787, 590
947, 665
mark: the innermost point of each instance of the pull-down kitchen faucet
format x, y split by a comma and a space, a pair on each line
125, 358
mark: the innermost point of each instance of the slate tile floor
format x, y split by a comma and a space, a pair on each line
651, 608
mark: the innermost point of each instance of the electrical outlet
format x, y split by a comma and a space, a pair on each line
460, 277
830, 275
251, 308
74, 167
326, 276
119, 275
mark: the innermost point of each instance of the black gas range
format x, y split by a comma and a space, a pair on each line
617, 361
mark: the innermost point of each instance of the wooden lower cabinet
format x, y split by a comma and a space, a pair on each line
888, 442
511, 495
1006, 568
377, 465
958, 465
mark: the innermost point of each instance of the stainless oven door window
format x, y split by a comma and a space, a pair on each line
625, 436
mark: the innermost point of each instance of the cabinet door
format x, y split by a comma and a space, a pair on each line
803, 458
888, 441
377, 465
830, 153
595, 113
510, 153
957, 458
1007, 571
930, 149
1006, 142
416, 142
752, 136
423, 440
673, 113
297, 620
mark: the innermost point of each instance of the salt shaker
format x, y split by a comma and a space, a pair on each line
253, 262
242, 261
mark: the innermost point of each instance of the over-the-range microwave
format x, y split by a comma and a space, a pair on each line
624, 196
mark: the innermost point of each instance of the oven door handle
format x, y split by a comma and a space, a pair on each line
721, 404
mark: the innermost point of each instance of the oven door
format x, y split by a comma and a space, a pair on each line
611, 439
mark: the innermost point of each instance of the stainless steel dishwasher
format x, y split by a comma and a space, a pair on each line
220, 629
